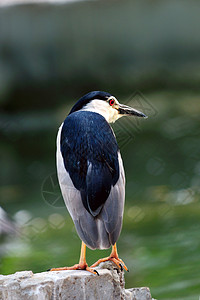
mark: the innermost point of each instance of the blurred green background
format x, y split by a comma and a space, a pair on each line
147, 54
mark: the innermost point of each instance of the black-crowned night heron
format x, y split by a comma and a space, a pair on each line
91, 173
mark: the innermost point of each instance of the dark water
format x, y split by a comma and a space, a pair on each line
160, 240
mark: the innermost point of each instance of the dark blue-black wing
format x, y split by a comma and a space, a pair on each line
90, 154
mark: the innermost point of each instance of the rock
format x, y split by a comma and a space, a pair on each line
63, 285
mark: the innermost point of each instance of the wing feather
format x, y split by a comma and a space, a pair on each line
112, 212
89, 151
99, 231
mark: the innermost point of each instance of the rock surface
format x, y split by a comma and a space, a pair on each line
63, 285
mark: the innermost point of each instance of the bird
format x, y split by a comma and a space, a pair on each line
7, 226
91, 174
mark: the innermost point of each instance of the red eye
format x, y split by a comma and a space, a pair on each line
111, 102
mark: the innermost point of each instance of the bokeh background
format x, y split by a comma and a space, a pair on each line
147, 54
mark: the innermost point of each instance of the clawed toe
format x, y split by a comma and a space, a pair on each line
117, 261
97, 273
76, 267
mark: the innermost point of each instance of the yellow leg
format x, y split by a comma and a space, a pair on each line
82, 260
113, 257
82, 265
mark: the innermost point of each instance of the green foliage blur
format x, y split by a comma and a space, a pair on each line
147, 56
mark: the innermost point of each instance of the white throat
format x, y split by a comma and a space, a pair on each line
103, 108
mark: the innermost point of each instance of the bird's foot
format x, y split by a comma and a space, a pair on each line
77, 267
119, 262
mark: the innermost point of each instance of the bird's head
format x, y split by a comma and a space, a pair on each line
106, 105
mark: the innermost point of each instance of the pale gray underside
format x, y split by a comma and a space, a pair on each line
102, 231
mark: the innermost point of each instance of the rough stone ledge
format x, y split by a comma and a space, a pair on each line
63, 285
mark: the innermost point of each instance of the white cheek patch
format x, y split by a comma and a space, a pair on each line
114, 115
103, 108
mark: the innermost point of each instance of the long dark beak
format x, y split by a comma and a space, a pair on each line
127, 110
